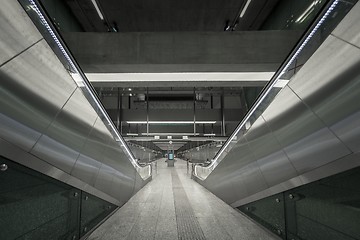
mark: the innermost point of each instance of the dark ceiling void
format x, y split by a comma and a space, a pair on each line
189, 36
175, 118
164, 16
180, 16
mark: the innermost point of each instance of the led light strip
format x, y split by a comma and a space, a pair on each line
171, 122
245, 8
311, 34
77, 77
252, 110
97, 9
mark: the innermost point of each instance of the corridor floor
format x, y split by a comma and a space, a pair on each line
173, 206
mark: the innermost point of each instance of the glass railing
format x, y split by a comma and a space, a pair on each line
35, 206
327, 209
53, 38
324, 24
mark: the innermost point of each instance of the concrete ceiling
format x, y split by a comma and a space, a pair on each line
163, 16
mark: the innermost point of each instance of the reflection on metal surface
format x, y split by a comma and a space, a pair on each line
304, 131
277, 77
81, 81
52, 122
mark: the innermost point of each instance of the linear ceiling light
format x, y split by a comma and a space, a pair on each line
167, 134
181, 76
245, 8
209, 134
97, 9
171, 122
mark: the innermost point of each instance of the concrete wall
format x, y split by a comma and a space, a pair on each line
259, 51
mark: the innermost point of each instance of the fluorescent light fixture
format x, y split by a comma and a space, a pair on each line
171, 122
181, 76
245, 8
156, 137
185, 137
97, 9
132, 134
169, 137
171, 134
209, 134
307, 12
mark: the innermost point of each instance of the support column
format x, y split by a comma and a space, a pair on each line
194, 112
223, 133
147, 111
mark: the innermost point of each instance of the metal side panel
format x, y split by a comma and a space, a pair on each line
89, 162
17, 35
104, 179
64, 139
273, 162
122, 172
226, 180
349, 28
18, 155
335, 98
34, 87
305, 139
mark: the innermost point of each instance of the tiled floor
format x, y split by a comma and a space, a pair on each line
195, 213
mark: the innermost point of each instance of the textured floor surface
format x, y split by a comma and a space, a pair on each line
173, 206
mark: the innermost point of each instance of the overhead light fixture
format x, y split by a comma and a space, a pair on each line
209, 134
185, 137
132, 134
245, 8
171, 134
307, 12
171, 122
97, 9
181, 76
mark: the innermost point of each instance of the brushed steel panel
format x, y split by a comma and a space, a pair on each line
240, 155
336, 97
89, 162
253, 179
304, 138
123, 186
55, 153
349, 28
276, 168
18, 155
220, 183
86, 168
340, 165
273, 162
348, 130
16, 132
117, 159
30, 95
104, 179
66, 135
16, 35
226, 180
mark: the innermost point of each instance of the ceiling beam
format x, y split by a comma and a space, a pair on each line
157, 52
